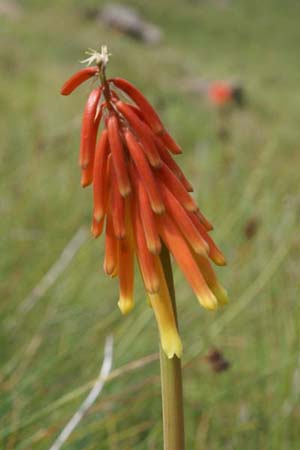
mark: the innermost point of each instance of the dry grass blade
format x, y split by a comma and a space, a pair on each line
91, 398
55, 271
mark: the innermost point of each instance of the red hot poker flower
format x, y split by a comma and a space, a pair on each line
142, 199
220, 93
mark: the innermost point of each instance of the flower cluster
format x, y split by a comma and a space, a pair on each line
142, 199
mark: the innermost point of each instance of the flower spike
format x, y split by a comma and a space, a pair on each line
142, 199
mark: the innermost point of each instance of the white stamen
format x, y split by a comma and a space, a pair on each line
99, 59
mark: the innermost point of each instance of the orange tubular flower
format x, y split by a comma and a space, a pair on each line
89, 130
142, 199
77, 79
99, 174
110, 265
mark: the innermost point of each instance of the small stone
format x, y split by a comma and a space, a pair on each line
10, 9
251, 228
126, 20
216, 360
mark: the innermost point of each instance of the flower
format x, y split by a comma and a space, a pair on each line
220, 93
143, 200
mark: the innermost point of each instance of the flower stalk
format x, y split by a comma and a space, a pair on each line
171, 378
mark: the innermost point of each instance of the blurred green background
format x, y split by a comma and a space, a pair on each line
247, 183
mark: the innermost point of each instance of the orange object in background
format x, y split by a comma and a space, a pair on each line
220, 93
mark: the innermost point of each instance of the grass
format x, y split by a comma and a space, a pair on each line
51, 355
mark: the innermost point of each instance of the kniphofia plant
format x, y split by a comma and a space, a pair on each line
142, 200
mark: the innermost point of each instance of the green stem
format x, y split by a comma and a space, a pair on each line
171, 379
